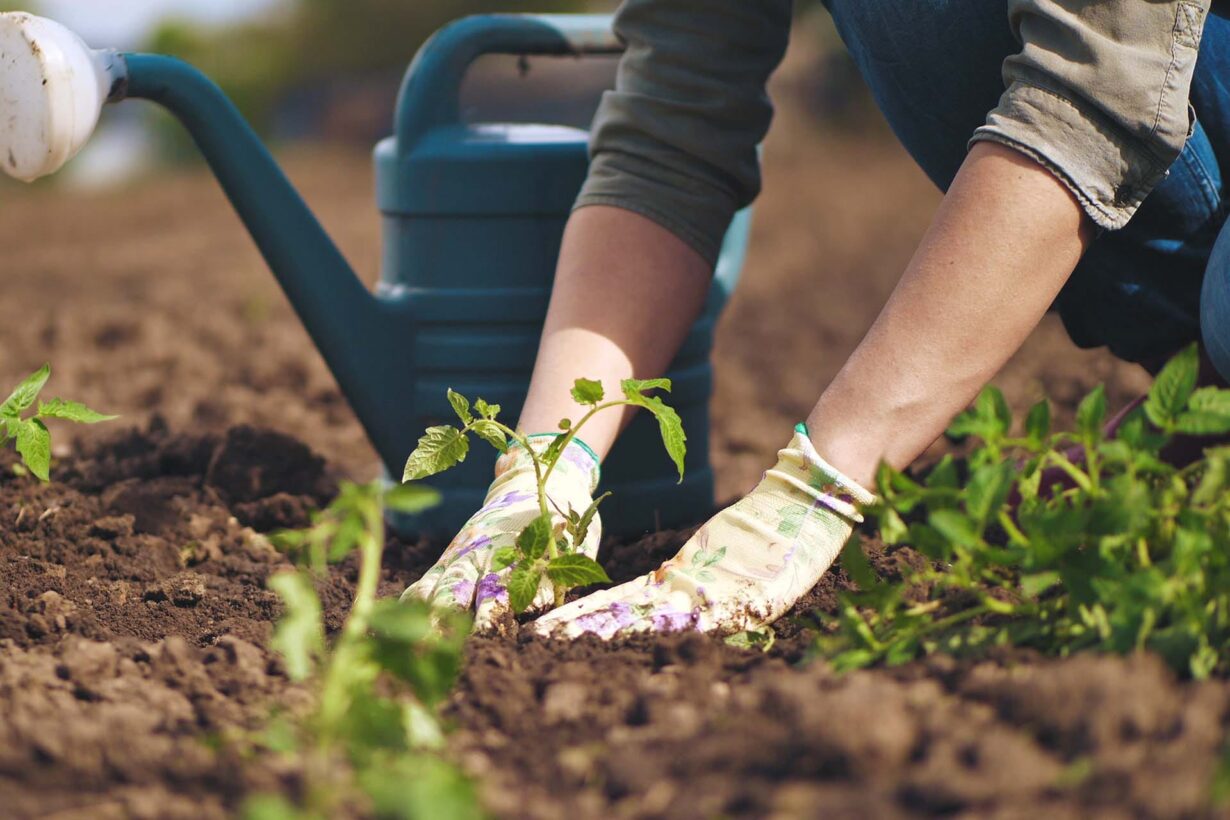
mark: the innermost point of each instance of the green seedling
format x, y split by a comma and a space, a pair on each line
1030, 545
371, 740
29, 430
543, 548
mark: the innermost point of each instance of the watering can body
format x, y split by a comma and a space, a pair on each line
473, 216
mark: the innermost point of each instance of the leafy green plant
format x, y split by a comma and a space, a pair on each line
29, 429
1059, 542
371, 737
542, 548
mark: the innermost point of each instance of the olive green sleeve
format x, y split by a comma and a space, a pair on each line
676, 140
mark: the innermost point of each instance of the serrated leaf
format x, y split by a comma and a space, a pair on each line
1038, 423
532, 541
1090, 414
411, 499
24, 395
523, 585
71, 411
576, 570
490, 432
1173, 387
487, 411
503, 558
988, 488
674, 439
439, 449
34, 445
587, 391
299, 634
1210, 400
1202, 423
631, 387
461, 406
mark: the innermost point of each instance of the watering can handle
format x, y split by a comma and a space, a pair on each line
431, 92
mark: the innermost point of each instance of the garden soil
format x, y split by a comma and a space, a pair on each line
134, 618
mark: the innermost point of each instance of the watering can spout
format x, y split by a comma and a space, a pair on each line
60, 85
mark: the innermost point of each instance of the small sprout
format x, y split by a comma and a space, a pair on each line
376, 687
33, 440
544, 552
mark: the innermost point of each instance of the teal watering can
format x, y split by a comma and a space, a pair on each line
473, 216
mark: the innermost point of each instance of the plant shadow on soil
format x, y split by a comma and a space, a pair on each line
134, 620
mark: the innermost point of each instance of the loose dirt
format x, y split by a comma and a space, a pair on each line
134, 618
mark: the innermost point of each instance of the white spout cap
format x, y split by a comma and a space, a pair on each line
52, 89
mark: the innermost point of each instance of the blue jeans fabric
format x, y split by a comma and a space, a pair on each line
933, 67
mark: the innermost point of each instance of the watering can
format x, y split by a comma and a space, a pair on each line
473, 215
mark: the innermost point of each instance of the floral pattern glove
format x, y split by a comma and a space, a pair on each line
463, 577
745, 568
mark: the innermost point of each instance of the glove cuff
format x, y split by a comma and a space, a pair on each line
578, 461
829, 486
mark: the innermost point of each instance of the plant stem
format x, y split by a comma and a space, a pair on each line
334, 698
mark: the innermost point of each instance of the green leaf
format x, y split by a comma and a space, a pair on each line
576, 570
1090, 414
23, 396
418, 786
988, 489
1173, 387
587, 391
411, 499
1202, 423
1034, 585
503, 558
1038, 423
487, 411
579, 528
299, 635
762, 640
34, 445
955, 526
1210, 400
669, 424
71, 411
461, 406
419, 645
532, 542
523, 583
639, 386
989, 418
439, 449
490, 432
854, 562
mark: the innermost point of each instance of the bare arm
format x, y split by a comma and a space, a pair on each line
1002, 244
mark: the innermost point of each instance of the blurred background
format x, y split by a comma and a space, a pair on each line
328, 70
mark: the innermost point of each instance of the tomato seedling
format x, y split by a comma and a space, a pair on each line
1058, 542
30, 431
544, 548
371, 737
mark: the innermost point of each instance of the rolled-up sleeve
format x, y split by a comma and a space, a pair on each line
676, 140
1099, 95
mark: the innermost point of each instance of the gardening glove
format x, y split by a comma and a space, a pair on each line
463, 577
742, 570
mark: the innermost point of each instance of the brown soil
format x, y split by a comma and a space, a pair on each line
134, 617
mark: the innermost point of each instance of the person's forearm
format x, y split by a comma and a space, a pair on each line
1004, 241
626, 293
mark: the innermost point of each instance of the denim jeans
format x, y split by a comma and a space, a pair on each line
1144, 291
